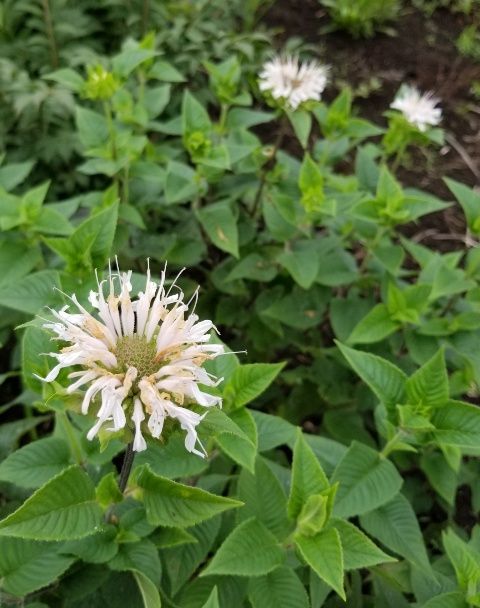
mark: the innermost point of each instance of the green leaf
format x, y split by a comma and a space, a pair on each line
92, 127
10, 432
338, 267
171, 459
388, 188
107, 491
33, 200
51, 221
465, 560
254, 267
141, 556
16, 261
308, 477
310, 182
172, 504
453, 599
125, 62
367, 481
35, 341
13, 174
217, 422
319, 590
182, 562
34, 464
216, 156
281, 588
315, 513
26, 565
244, 118
385, 379
250, 550
375, 326
133, 523
92, 238
345, 313
29, 294
180, 183
156, 99
358, 550
194, 116
302, 262
301, 121
249, 381
220, 223
67, 78
232, 592
457, 423
395, 525
148, 591
440, 475
323, 553
272, 431
264, 498
97, 548
64, 508
242, 449
163, 70
299, 309
328, 451
469, 199
429, 385
366, 169
212, 601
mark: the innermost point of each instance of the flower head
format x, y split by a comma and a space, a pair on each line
140, 358
418, 109
292, 81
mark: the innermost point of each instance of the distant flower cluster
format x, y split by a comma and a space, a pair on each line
289, 80
293, 82
420, 110
142, 357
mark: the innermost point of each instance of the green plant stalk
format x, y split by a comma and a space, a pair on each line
126, 185
126, 467
107, 109
27, 411
392, 443
108, 116
266, 167
223, 117
64, 421
47, 17
371, 246
145, 16
399, 156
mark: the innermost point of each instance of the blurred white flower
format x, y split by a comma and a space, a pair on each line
418, 109
143, 357
292, 81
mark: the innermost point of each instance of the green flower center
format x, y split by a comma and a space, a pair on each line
136, 351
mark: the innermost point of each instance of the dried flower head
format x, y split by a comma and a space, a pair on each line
289, 80
418, 109
141, 358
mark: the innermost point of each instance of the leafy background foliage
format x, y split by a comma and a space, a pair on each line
347, 448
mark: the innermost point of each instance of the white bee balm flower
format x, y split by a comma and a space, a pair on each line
292, 81
418, 109
142, 358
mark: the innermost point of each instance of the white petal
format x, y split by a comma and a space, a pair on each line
84, 378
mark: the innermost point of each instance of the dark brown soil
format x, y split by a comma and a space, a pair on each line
422, 52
